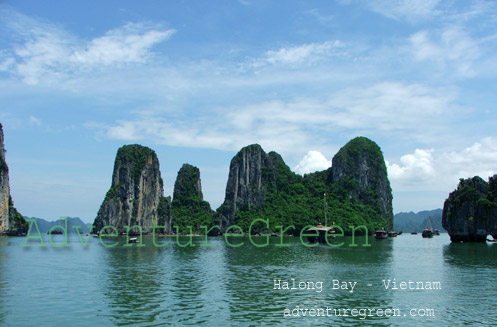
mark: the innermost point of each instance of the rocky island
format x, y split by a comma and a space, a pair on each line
136, 196
188, 207
470, 211
260, 186
11, 221
135, 193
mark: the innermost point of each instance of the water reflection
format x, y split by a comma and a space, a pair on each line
252, 271
187, 284
471, 266
133, 284
3, 279
471, 254
195, 287
222, 285
170, 285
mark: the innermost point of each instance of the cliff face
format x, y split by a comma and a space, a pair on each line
262, 186
251, 175
11, 221
4, 188
164, 215
188, 207
359, 167
135, 193
470, 211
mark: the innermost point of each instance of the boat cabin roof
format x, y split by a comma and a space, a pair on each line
320, 228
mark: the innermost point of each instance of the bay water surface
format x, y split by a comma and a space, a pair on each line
220, 285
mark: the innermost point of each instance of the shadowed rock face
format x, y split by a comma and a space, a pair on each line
187, 185
470, 211
11, 221
4, 188
188, 208
135, 193
360, 168
250, 177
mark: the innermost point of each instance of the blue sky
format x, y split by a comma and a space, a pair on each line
198, 80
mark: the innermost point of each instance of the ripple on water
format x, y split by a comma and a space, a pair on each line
221, 285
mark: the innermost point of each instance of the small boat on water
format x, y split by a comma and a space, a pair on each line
414, 233
133, 240
436, 232
392, 233
55, 232
381, 234
428, 231
323, 232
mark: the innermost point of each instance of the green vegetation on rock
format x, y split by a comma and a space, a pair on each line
291, 199
188, 207
135, 155
261, 186
18, 222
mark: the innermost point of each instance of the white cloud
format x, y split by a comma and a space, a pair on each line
391, 109
451, 49
125, 131
424, 179
436, 170
311, 162
478, 159
130, 43
301, 54
35, 121
417, 166
410, 10
47, 53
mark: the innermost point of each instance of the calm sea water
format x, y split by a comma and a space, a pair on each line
220, 285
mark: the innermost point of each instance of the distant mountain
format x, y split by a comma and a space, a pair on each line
416, 222
45, 226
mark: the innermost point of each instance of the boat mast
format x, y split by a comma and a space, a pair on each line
325, 211
428, 223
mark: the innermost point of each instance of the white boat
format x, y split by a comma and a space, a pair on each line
323, 233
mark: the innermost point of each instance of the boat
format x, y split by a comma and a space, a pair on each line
414, 233
320, 237
133, 240
428, 231
436, 232
55, 232
381, 234
400, 232
323, 231
392, 233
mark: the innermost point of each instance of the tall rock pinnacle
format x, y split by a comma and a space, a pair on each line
359, 167
135, 193
11, 221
